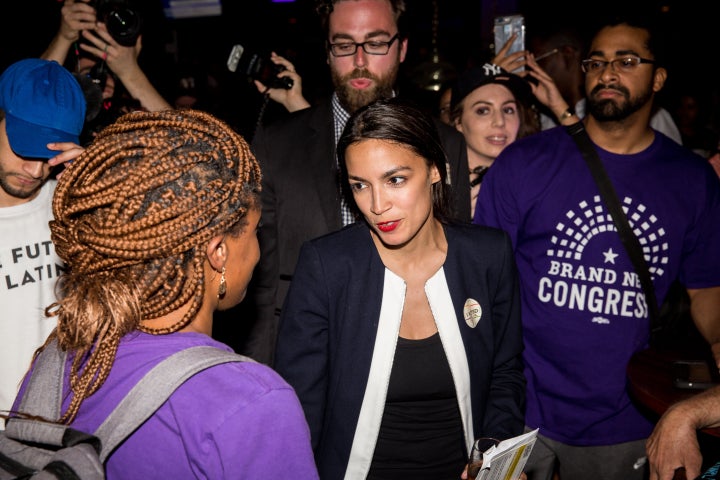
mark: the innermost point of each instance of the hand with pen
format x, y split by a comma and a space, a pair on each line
542, 85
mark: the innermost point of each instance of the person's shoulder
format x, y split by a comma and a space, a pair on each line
342, 248
476, 246
472, 233
259, 377
674, 151
245, 381
296, 121
233, 395
550, 135
535, 148
352, 236
541, 139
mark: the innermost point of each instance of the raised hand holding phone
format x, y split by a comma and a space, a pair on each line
509, 40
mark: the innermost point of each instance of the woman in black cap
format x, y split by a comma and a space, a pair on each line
492, 108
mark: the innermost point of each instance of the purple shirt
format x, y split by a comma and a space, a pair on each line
235, 420
583, 309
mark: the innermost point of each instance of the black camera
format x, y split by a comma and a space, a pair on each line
257, 67
122, 19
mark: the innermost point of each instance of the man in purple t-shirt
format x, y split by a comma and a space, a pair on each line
584, 311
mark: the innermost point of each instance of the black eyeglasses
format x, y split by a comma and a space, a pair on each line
625, 64
371, 47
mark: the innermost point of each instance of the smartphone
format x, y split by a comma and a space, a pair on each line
503, 29
712, 473
694, 375
257, 67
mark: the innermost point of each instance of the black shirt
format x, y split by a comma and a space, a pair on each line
421, 434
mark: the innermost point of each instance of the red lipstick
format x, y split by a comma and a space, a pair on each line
388, 226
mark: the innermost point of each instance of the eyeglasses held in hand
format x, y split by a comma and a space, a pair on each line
371, 47
625, 64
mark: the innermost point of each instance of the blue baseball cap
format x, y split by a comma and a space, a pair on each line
43, 103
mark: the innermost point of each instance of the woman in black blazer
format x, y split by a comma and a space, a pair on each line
401, 334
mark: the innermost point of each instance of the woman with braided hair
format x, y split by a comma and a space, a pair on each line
157, 224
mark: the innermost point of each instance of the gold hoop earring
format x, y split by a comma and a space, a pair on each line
223, 285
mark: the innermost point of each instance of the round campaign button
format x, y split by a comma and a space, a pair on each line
472, 312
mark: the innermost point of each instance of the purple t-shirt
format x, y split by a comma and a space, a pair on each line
583, 309
235, 420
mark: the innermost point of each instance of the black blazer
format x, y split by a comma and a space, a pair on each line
301, 201
329, 327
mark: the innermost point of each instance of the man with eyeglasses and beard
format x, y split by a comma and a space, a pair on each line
301, 195
584, 312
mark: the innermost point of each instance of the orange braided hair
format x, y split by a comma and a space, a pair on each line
132, 215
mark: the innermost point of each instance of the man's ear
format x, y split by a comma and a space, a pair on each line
659, 80
403, 49
217, 252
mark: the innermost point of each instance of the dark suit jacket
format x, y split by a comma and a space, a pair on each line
301, 201
329, 325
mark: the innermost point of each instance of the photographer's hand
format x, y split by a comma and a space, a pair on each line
75, 16
123, 61
292, 99
120, 59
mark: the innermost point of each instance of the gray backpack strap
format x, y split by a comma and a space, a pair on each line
153, 390
43, 394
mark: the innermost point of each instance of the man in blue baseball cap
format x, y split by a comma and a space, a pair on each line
42, 110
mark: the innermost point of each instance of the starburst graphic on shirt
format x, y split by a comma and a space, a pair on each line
592, 218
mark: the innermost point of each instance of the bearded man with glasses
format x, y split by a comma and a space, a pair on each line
566, 71
301, 195
584, 313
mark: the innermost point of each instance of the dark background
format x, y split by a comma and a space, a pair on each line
176, 48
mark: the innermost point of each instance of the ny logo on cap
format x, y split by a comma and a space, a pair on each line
491, 69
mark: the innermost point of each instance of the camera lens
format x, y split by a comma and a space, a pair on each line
123, 21
124, 25
257, 67
264, 70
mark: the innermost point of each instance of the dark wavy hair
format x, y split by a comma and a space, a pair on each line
406, 124
640, 18
324, 8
